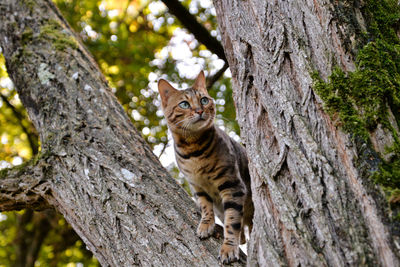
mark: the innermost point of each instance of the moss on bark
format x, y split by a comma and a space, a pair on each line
362, 99
55, 33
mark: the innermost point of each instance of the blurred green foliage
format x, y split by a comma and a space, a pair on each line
135, 43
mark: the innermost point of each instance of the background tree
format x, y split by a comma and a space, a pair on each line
317, 85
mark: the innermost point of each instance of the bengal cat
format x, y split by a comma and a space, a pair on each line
213, 163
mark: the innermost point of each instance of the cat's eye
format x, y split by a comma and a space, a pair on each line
184, 105
204, 101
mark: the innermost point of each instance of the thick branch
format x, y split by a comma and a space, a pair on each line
103, 177
23, 187
198, 30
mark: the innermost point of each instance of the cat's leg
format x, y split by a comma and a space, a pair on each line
242, 236
207, 222
247, 218
233, 198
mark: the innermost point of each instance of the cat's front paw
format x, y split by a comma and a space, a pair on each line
228, 253
205, 229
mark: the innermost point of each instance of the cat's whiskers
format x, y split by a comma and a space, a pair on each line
185, 127
188, 133
181, 121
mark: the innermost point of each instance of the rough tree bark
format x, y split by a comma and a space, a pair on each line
314, 205
94, 167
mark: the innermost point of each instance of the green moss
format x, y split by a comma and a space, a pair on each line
382, 16
361, 98
27, 35
389, 173
3, 173
26, 39
30, 4
54, 32
339, 101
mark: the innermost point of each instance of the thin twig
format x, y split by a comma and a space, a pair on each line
163, 150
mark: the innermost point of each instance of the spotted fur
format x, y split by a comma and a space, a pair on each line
213, 163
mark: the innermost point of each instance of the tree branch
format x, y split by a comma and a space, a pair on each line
211, 80
23, 187
163, 149
198, 30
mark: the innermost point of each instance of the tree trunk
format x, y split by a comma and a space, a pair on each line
314, 204
94, 167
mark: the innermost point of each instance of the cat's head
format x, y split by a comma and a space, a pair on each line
187, 111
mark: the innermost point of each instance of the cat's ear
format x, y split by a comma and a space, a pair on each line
200, 82
166, 90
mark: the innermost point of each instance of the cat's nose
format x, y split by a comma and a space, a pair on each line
199, 111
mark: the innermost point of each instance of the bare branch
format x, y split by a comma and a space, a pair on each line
198, 30
211, 80
163, 149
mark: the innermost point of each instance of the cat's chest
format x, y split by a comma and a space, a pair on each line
194, 170
198, 172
